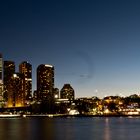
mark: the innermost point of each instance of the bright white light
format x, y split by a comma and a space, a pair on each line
73, 112
28, 79
133, 113
15, 75
48, 66
106, 111
56, 96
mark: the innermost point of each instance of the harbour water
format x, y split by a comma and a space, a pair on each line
78, 128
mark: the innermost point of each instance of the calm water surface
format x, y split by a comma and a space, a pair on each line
119, 128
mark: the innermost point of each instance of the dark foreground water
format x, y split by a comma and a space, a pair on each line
119, 128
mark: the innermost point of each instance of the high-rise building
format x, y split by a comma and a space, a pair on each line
1, 64
45, 80
67, 92
1, 81
8, 71
16, 96
25, 68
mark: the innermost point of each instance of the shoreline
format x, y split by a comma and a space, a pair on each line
62, 115
71, 116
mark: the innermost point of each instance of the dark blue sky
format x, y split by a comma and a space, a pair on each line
93, 45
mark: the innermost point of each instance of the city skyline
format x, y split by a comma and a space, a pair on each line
27, 69
93, 45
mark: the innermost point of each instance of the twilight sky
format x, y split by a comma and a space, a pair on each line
93, 44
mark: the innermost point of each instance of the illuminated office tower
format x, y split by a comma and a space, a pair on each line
1, 63
67, 92
45, 81
8, 71
16, 96
25, 68
1, 81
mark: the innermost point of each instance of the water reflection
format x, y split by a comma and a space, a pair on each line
107, 130
42, 129
26, 129
69, 129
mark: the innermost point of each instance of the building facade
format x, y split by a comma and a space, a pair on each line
1, 81
16, 95
1, 78
45, 81
8, 71
25, 68
67, 92
1, 64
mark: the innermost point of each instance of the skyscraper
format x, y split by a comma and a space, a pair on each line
1, 81
45, 80
9, 70
16, 96
25, 68
67, 92
1, 63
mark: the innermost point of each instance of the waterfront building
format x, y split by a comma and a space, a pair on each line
1, 71
16, 95
45, 81
67, 92
25, 68
1, 64
8, 71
